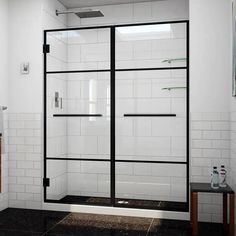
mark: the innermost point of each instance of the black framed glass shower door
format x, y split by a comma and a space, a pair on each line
116, 116
78, 116
151, 158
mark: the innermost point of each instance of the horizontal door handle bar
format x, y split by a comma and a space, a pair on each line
147, 115
77, 115
154, 162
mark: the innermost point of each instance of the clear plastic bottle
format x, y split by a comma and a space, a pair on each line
215, 178
222, 177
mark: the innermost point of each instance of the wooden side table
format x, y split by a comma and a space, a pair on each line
227, 192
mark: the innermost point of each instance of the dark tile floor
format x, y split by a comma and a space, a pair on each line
21, 222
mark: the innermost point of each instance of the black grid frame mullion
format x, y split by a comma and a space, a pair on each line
113, 114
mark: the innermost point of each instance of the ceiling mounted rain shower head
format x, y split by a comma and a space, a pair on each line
89, 14
86, 13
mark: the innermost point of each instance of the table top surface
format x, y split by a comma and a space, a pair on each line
206, 188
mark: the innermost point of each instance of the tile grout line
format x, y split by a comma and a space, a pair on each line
150, 226
45, 233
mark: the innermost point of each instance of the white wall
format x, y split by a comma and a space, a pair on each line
27, 19
25, 40
210, 89
210, 55
4, 95
4, 52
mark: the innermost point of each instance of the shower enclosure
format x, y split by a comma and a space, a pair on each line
116, 115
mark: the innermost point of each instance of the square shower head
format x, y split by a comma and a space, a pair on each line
89, 14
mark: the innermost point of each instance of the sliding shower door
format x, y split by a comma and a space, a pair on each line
151, 116
116, 116
78, 116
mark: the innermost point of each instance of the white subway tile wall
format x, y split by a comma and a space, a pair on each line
210, 146
25, 160
5, 165
25, 166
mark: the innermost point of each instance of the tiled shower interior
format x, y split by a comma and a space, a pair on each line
137, 92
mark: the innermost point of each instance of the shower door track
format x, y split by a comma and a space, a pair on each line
173, 206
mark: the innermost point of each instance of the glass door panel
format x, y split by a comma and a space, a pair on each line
137, 157
85, 182
78, 50
149, 184
78, 116
151, 116
151, 46
151, 131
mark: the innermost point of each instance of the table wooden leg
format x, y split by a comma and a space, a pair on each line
225, 211
194, 213
231, 214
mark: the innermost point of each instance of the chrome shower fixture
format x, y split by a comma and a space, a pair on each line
84, 13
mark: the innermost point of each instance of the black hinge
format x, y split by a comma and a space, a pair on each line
46, 182
46, 48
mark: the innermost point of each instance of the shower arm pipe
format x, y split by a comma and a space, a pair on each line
64, 12
70, 11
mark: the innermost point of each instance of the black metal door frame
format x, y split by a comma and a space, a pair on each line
113, 70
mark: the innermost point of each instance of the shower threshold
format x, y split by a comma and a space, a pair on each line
127, 203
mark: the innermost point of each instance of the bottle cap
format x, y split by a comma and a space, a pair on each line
223, 166
214, 167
